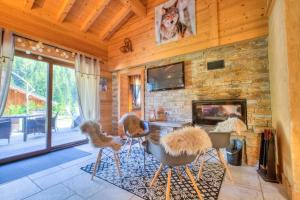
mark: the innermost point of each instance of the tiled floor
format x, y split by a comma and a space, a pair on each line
68, 182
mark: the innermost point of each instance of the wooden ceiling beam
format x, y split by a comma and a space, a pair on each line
28, 4
94, 15
64, 10
136, 6
66, 36
115, 22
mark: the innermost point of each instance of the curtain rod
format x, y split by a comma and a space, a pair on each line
89, 56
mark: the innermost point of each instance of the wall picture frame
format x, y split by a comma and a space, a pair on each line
174, 20
103, 84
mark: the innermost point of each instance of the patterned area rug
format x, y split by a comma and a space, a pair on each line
136, 179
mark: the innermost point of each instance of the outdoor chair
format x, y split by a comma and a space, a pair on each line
38, 125
54, 122
77, 120
5, 128
34, 125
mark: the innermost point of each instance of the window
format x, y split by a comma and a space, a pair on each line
42, 110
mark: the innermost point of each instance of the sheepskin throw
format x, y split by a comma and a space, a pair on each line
132, 123
93, 129
231, 124
189, 140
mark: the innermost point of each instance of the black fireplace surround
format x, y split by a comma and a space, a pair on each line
210, 112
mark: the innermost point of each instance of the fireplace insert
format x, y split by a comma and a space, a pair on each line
210, 112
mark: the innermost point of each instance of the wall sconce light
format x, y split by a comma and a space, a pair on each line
127, 46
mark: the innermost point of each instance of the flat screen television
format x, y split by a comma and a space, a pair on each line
167, 77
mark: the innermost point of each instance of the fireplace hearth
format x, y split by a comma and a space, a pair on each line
210, 112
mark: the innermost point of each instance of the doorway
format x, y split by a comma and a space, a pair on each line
131, 93
42, 111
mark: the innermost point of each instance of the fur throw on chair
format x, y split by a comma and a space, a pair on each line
93, 129
132, 124
232, 124
189, 140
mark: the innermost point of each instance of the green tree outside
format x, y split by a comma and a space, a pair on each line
65, 98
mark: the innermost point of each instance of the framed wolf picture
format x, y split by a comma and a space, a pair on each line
175, 19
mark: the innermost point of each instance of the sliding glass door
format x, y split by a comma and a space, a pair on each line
42, 111
23, 127
65, 108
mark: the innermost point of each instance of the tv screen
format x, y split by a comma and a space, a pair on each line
166, 77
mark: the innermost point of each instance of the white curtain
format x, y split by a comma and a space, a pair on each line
6, 60
88, 79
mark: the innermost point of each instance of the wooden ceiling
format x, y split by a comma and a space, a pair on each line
82, 25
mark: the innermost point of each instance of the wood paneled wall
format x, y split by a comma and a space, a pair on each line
106, 104
219, 22
292, 21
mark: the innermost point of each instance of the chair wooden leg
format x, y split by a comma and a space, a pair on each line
201, 169
179, 173
98, 161
197, 159
129, 150
140, 144
168, 191
225, 165
193, 182
156, 175
127, 140
117, 164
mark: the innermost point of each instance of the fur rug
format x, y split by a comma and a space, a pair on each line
189, 140
93, 129
230, 125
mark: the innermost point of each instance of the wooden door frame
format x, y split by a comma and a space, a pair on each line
48, 148
131, 72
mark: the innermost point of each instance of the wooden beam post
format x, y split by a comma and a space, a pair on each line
94, 15
115, 23
28, 4
64, 10
136, 6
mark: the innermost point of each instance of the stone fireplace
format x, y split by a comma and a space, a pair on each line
211, 112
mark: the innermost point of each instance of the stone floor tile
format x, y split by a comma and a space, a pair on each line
236, 192
84, 186
75, 197
272, 191
18, 189
112, 193
58, 177
57, 192
244, 176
